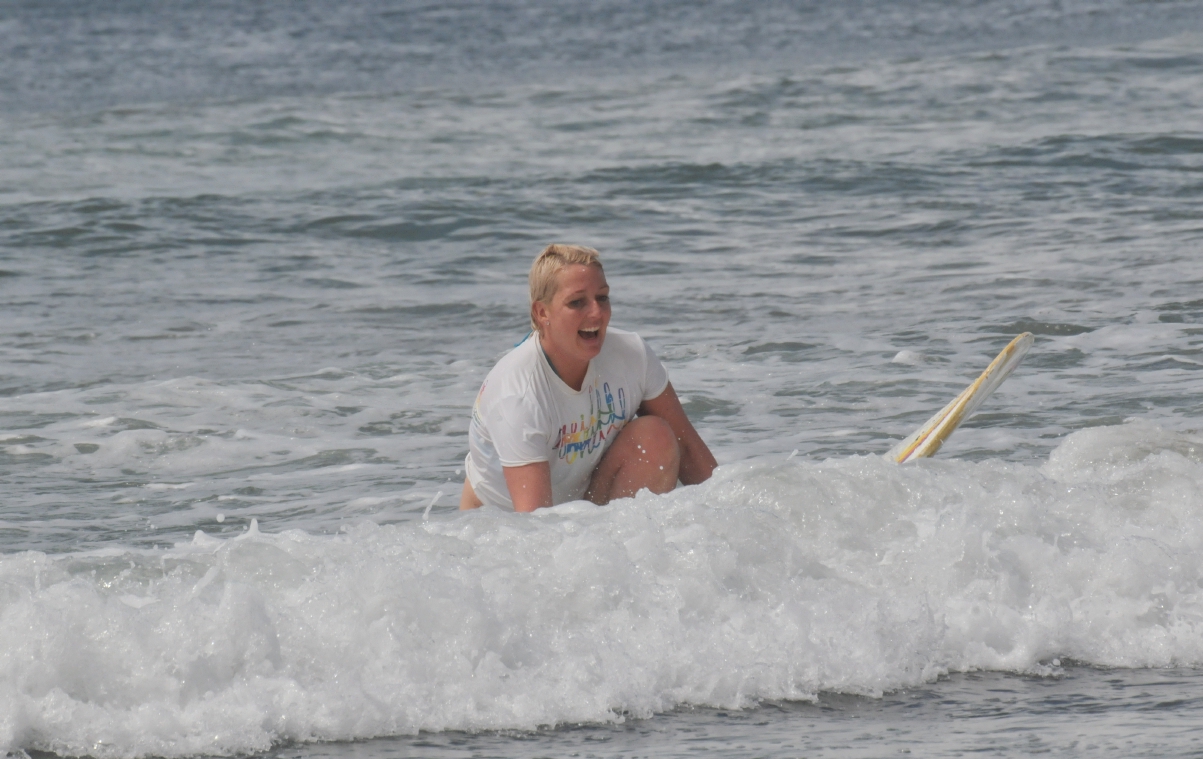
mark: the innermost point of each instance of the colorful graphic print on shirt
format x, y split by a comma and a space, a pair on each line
581, 438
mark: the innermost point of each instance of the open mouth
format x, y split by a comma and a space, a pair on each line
588, 334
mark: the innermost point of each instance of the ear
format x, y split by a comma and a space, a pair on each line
539, 312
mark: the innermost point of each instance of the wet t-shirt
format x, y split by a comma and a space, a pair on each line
525, 414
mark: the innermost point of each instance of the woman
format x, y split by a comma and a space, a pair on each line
577, 410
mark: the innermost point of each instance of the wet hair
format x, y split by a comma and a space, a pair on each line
544, 272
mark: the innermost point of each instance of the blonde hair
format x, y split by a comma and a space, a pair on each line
544, 272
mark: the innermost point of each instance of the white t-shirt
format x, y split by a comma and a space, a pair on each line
525, 413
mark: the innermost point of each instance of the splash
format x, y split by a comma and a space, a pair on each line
772, 581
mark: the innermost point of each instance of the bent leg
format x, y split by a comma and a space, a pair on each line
644, 455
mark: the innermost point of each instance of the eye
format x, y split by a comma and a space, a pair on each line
576, 303
603, 299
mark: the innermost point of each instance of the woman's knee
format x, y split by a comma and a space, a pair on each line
645, 455
656, 440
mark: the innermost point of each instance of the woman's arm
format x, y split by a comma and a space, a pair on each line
697, 462
529, 485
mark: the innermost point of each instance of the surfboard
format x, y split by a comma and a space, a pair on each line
926, 440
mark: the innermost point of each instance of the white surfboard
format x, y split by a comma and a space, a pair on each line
926, 440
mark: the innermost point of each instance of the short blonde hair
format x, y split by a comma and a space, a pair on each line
544, 272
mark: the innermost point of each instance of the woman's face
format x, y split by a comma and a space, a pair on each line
574, 322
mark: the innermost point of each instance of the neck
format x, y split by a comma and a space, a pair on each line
570, 371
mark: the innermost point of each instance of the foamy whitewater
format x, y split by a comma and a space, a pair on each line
255, 262
772, 581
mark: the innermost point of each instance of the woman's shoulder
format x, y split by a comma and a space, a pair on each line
623, 339
621, 343
625, 348
518, 368
629, 353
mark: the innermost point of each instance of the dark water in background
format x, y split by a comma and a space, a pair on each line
255, 260
66, 55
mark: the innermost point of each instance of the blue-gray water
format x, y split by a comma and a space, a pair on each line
256, 259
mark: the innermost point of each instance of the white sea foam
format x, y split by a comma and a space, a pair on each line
775, 580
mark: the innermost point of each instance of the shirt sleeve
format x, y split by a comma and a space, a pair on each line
655, 378
516, 425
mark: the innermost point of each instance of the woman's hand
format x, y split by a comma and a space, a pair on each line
529, 485
697, 462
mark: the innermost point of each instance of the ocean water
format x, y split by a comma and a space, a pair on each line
255, 260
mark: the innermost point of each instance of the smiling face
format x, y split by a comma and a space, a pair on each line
572, 324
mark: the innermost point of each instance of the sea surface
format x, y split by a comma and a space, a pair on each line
257, 257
